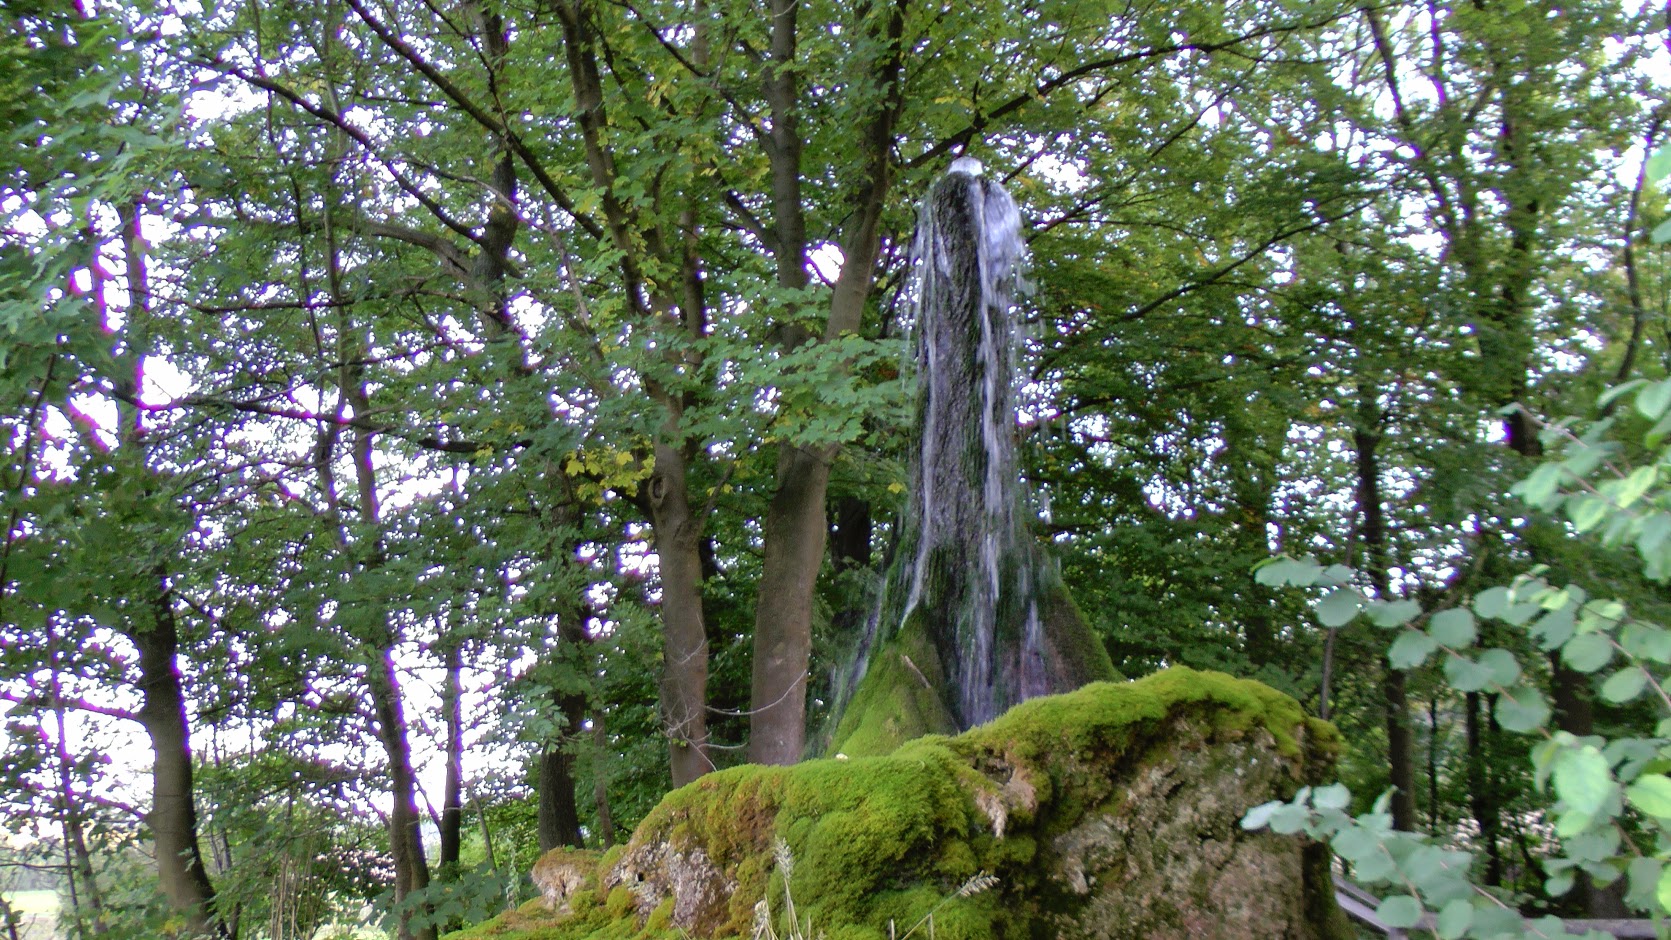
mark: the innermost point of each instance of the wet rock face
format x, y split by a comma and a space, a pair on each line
1167, 857
1110, 812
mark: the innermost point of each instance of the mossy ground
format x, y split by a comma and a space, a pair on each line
882, 839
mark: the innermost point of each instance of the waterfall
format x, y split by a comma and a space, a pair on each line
966, 563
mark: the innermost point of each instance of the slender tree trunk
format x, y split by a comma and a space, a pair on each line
173, 816
1482, 795
1372, 533
162, 712
600, 782
1433, 764
406, 846
86, 898
452, 799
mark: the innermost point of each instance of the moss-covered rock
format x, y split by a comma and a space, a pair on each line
1108, 812
903, 694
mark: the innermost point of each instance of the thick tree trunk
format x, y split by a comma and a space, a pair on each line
795, 529
559, 815
794, 532
684, 680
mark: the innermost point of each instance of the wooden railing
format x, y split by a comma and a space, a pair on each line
1360, 905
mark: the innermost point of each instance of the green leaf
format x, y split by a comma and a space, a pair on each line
1522, 710
1466, 675
1411, 649
1355, 844
1651, 793
1656, 398
1259, 816
1393, 613
1541, 487
1454, 919
1400, 911
1588, 652
1582, 779
1663, 892
1624, 685
1453, 628
1634, 486
1504, 668
1338, 607
1608, 397
1491, 602
1288, 572
1659, 165
1333, 796
1661, 233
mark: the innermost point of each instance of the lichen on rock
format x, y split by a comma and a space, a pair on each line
1109, 812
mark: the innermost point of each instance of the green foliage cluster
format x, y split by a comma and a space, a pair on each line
1609, 808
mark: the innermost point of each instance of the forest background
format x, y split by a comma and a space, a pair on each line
434, 430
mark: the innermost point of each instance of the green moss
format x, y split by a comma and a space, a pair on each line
1078, 655
618, 903
880, 839
660, 918
899, 698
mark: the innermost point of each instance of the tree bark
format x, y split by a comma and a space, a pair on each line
1372, 534
795, 528
452, 798
173, 816
1482, 798
684, 681
406, 846
162, 713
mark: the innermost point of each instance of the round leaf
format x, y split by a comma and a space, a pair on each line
1624, 685
1453, 628
1651, 793
1587, 652
1411, 649
1338, 607
1583, 779
1523, 710
1399, 911
1454, 919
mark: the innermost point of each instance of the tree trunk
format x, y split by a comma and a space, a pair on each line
452, 799
559, 815
684, 680
86, 900
173, 816
1372, 533
794, 533
1482, 796
795, 528
406, 846
600, 782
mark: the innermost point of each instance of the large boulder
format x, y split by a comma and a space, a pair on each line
1109, 812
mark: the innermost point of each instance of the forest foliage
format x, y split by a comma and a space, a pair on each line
431, 431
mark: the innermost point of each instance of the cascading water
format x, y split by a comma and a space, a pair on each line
967, 568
